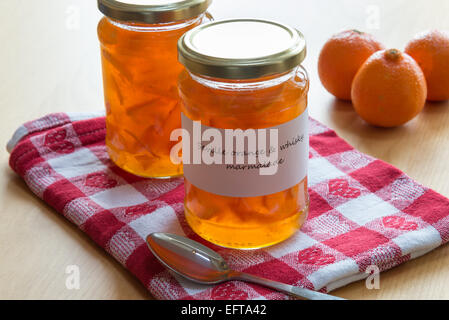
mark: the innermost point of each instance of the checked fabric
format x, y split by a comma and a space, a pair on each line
363, 211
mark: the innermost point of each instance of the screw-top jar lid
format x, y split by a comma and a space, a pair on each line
241, 49
153, 11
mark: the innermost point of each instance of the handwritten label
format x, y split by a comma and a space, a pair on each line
242, 177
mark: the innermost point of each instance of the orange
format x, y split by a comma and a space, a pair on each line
431, 51
389, 89
341, 58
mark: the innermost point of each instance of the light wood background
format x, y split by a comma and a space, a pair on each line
49, 62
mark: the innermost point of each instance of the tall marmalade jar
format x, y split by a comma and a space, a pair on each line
140, 70
245, 188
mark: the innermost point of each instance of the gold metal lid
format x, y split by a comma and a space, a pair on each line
241, 49
153, 11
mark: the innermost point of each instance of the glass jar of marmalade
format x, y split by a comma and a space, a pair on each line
245, 134
140, 70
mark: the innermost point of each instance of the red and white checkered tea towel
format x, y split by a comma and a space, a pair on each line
363, 211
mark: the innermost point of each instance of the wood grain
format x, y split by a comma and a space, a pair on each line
50, 62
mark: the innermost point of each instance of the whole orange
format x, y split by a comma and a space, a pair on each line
431, 51
389, 89
341, 58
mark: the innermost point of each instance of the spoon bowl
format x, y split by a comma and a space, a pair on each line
189, 258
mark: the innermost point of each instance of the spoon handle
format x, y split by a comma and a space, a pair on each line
286, 288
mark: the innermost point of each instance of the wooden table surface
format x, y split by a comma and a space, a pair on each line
49, 62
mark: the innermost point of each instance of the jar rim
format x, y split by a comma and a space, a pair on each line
153, 14
198, 59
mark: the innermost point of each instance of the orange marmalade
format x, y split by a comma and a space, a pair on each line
140, 70
250, 78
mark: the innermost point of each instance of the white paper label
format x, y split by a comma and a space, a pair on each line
273, 159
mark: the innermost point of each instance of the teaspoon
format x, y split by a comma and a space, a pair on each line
200, 264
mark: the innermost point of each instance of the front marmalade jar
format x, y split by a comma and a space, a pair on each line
140, 70
245, 132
